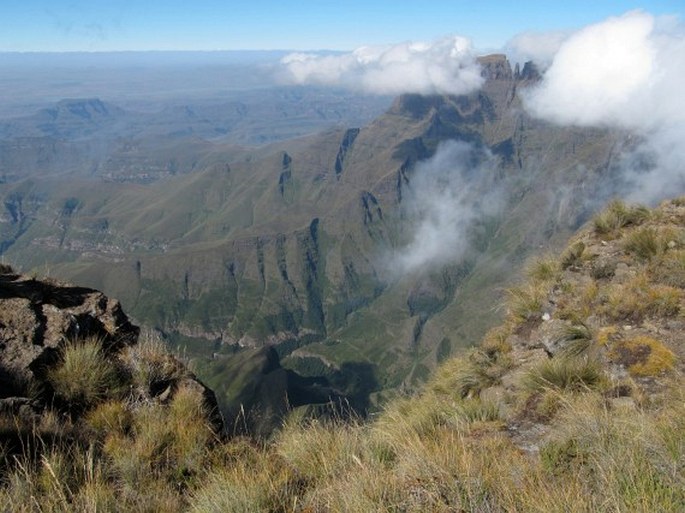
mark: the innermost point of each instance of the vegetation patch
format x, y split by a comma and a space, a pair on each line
524, 303
643, 356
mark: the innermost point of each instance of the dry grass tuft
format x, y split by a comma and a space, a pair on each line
618, 215
570, 373
85, 376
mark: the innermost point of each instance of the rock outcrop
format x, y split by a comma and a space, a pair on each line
38, 319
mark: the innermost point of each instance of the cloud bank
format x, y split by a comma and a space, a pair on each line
627, 72
450, 194
446, 66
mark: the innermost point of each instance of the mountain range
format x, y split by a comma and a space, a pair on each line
313, 257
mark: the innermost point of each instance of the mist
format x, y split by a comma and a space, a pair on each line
449, 194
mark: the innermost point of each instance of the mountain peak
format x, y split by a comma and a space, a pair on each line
495, 67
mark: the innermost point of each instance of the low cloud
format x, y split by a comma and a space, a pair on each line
450, 194
446, 66
627, 72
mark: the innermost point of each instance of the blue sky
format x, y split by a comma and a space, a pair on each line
112, 25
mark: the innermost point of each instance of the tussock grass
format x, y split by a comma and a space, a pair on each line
85, 376
645, 243
638, 298
577, 339
544, 269
670, 269
627, 454
111, 417
573, 256
467, 376
618, 215
525, 301
570, 373
151, 366
63, 479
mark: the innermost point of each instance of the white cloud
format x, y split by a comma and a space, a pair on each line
446, 66
450, 193
627, 72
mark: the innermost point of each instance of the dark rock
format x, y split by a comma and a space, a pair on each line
495, 67
345, 146
530, 72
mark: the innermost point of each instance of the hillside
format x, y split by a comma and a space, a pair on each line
574, 403
300, 244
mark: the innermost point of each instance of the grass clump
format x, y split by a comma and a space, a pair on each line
564, 373
573, 256
84, 376
544, 269
670, 269
525, 302
638, 298
151, 366
624, 458
110, 417
618, 215
575, 340
644, 243
466, 377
